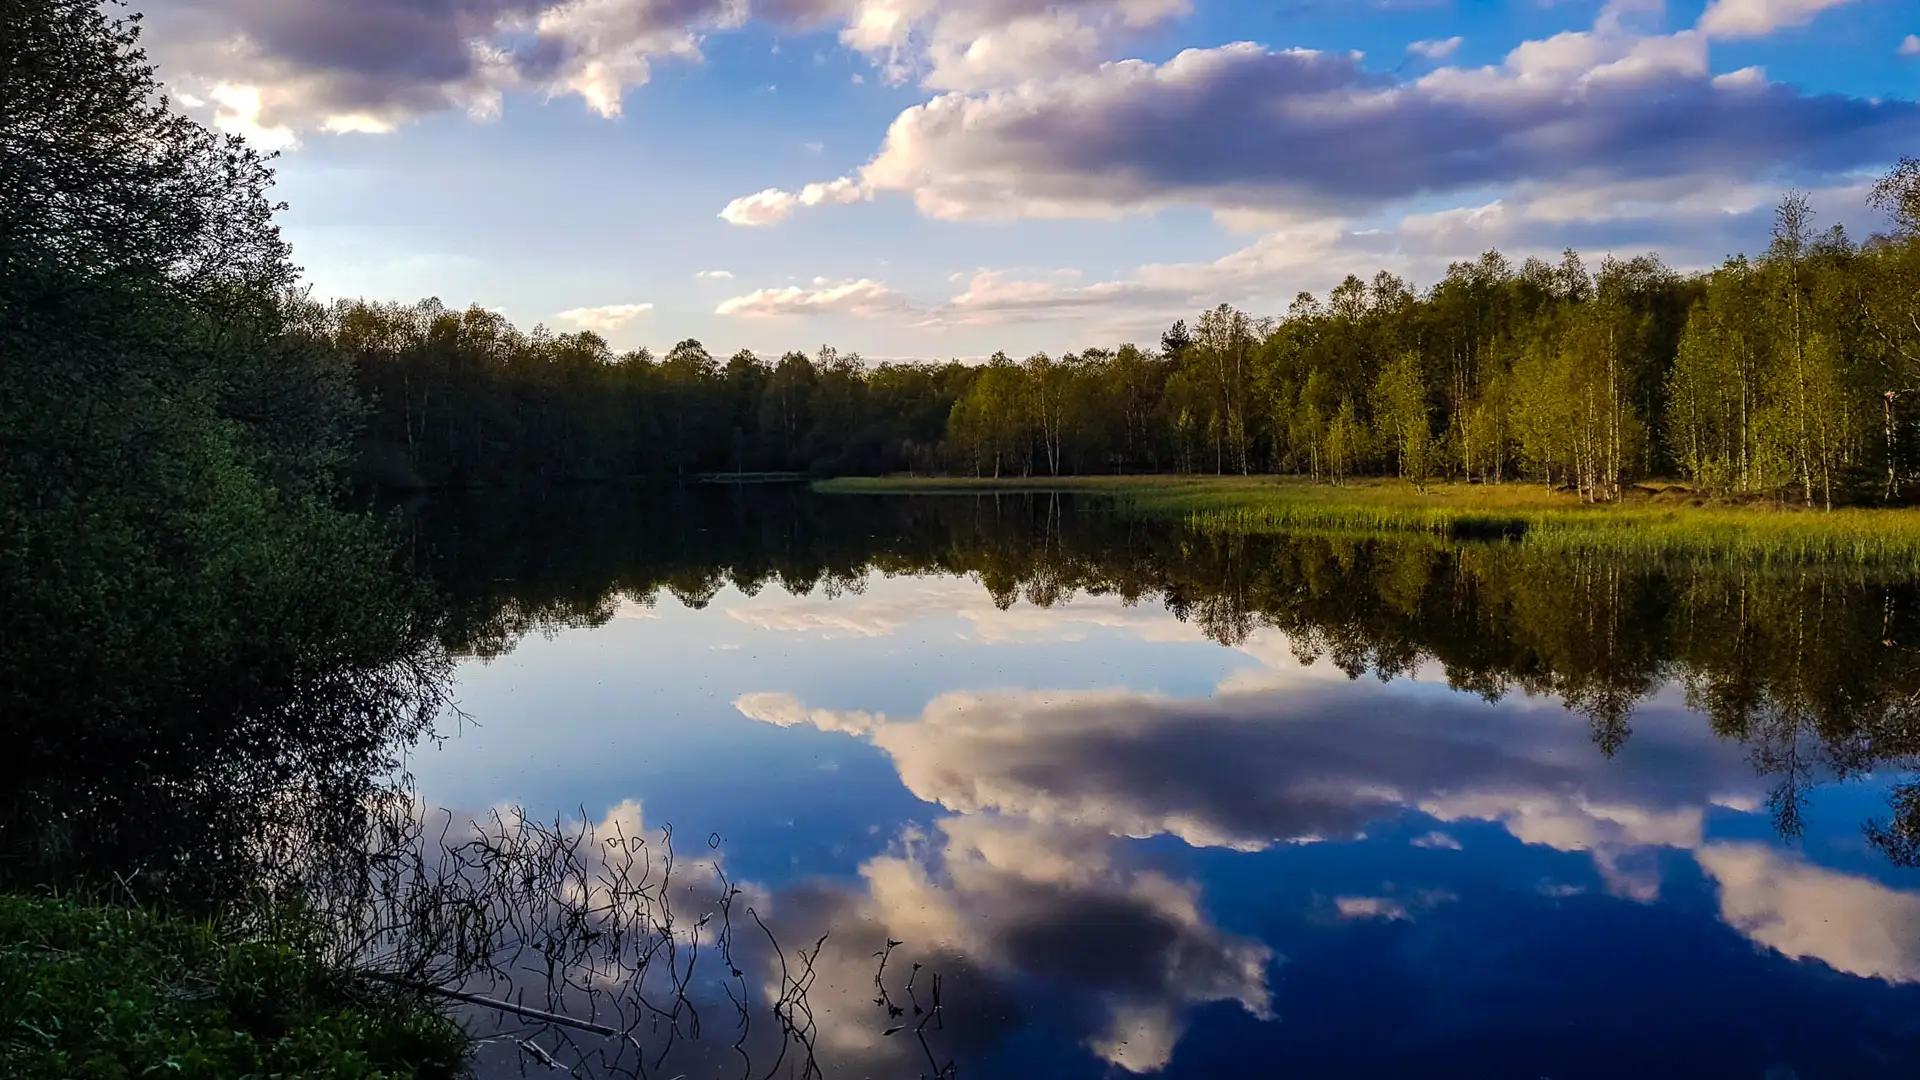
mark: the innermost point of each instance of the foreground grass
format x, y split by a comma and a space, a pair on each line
98, 992
1667, 521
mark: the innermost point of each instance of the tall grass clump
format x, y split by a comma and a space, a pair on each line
1663, 524
108, 992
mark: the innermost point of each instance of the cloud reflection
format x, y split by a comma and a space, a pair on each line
1287, 757
1849, 923
897, 605
1295, 759
993, 903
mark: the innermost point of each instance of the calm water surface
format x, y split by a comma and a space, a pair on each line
1152, 803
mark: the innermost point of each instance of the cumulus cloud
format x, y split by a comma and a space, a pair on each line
995, 904
1265, 762
240, 110
369, 65
606, 318
1261, 131
864, 298
970, 44
1910, 46
1758, 18
1616, 833
783, 710
774, 205
1849, 923
1436, 50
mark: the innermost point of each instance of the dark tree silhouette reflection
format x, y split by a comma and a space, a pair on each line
1813, 669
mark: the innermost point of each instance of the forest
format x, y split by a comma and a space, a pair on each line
1790, 375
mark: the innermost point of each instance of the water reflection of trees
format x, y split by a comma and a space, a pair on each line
193, 815
1813, 670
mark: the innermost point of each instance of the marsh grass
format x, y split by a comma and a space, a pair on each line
107, 992
1653, 522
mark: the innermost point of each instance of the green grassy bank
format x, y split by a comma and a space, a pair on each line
104, 993
1652, 521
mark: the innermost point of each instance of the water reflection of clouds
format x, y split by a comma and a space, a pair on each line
1006, 911
1250, 768
892, 605
1026, 881
1852, 924
993, 902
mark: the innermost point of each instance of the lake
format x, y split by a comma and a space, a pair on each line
1015, 786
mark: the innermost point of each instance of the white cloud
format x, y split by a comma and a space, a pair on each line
1852, 924
1758, 18
973, 44
715, 275
608, 46
1438, 841
1284, 758
370, 65
996, 903
1436, 50
1370, 907
994, 297
603, 319
773, 205
1268, 133
1613, 832
238, 110
1910, 46
783, 710
864, 298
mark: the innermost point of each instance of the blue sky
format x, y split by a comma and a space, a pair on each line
944, 178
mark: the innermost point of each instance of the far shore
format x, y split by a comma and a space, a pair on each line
1653, 518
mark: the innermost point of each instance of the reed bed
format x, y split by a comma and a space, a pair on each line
1666, 522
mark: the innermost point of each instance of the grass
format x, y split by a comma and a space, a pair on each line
1664, 521
105, 993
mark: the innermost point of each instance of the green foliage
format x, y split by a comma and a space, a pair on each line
178, 593
1672, 522
1400, 408
97, 993
1788, 376
464, 399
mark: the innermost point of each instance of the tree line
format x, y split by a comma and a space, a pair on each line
1792, 374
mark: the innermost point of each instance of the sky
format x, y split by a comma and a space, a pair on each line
934, 179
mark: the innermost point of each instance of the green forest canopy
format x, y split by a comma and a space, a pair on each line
190, 626
1791, 373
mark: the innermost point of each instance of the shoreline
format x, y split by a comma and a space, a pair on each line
1664, 520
